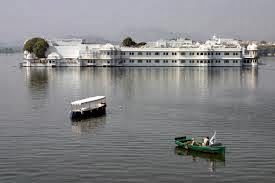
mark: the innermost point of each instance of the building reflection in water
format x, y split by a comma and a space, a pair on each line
125, 83
249, 77
86, 81
37, 83
214, 161
37, 80
88, 125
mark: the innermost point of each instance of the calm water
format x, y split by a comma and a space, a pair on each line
147, 108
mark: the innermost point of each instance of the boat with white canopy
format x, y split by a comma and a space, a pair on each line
93, 106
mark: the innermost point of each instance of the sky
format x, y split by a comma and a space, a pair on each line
142, 19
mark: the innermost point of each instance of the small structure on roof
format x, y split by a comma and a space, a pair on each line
93, 106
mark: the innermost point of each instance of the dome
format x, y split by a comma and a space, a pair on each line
30, 56
252, 47
26, 52
108, 46
53, 55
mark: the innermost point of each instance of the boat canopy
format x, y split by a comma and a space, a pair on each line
88, 100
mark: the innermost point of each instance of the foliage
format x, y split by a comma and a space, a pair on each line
140, 44
129, 42
38, 46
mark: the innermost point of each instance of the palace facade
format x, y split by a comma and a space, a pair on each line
166, 53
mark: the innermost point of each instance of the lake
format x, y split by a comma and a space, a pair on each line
146, 109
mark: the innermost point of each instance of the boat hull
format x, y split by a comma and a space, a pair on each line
184, 142
91, 113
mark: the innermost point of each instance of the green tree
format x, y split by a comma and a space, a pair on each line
128, 42
140, 44
38, 46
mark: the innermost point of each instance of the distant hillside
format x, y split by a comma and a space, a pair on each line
4, 48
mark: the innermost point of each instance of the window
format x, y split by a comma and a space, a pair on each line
226, 61
148, 53
201, 61
148, 61
131, 53
165, 53
182, 61
198, 61
226, 53
132, 61
165, 61
198, 53
156, 53
108, 53
139, 53
139, 61
191, 53
201, 53
156, 61
182, 53
174, 53
205, 61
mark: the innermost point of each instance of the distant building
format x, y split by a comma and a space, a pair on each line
170, 53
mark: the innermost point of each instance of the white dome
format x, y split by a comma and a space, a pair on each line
26, 52
108, 46
30, 56
252, 47
53, 55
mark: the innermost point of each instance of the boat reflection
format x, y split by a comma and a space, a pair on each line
88, 125
214, 160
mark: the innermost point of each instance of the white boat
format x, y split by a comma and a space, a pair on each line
93, 106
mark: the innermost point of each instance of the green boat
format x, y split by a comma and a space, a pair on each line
186, 142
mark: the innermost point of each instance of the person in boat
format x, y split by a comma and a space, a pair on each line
194, 143
205, 141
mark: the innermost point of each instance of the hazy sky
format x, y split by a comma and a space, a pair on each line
145, 19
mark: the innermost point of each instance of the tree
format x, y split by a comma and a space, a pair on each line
128, 42
140, 44
263, 42
38, 46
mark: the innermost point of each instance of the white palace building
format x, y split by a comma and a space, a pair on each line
165, 53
